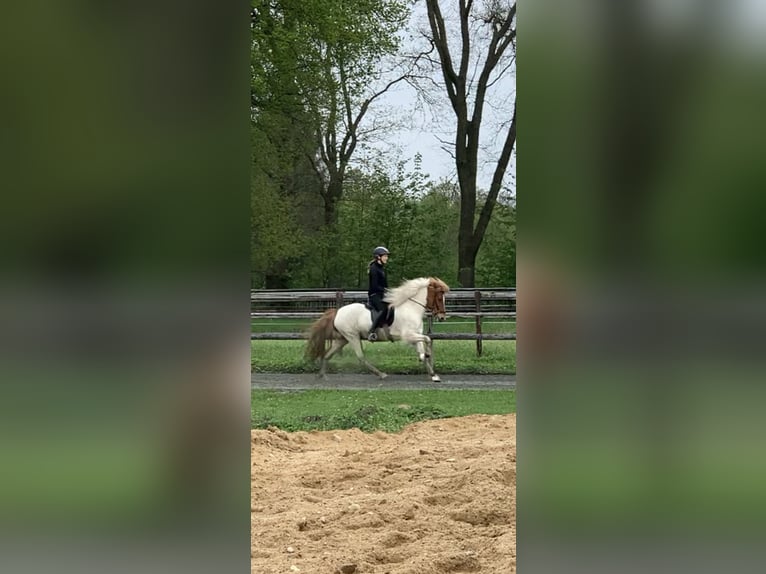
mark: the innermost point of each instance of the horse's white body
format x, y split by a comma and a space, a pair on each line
352, 322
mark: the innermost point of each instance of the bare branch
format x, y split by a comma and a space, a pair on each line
350, 139
499, 36
439, 39
465, 40
344, 90
502, 72
497, 179
317, 167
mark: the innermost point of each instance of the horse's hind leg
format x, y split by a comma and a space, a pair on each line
356, 344
336, 346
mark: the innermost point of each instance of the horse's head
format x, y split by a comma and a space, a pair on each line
437, 289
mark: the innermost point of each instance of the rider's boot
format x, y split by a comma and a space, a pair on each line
372, 335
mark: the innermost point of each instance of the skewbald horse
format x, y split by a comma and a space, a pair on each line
350, 324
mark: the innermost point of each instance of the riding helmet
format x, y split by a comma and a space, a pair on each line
378, 251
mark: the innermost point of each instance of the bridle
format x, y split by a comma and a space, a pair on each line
431, 307
418, 302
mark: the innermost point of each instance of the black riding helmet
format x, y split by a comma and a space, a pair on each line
380, 251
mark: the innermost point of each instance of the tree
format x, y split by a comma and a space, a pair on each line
495, 21
319, 65
283, 183
350, 40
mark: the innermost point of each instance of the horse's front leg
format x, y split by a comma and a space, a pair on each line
421, 347
430, 362
424, 346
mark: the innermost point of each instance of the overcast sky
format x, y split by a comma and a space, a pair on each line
423, 126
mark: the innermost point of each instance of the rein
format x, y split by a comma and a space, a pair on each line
418, 302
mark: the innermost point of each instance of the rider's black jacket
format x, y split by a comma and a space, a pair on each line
378, 280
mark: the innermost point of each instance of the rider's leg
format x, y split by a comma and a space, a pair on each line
372, 335
376, 301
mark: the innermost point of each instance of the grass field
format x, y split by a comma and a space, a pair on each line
498, 357
371, 410
452, 325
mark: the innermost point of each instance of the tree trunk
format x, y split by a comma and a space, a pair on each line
466, 260
467, 264
276, 282
467, 273
466, 173
330, 212
277, 277
331, 197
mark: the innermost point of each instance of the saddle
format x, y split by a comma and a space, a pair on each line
387, 322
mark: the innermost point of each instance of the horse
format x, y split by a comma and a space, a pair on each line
350, 323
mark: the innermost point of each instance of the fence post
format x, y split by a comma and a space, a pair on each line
338, 299
477, 297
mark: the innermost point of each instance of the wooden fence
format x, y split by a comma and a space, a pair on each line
477, 304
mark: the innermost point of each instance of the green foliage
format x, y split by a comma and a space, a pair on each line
387, 410
376, 210
433, 236
416, 219
496, 261
275, 236
312, 62
308, 59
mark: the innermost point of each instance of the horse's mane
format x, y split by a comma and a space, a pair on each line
401, 294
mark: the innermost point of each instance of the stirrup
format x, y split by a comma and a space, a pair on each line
373, 336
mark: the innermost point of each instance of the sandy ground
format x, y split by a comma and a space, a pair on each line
438, 497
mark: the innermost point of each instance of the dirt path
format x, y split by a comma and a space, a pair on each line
438, 497
283, 381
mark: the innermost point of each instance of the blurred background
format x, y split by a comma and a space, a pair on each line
124, 287
641, 275
128, 258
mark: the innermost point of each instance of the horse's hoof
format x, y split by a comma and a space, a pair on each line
436, 379
383, 376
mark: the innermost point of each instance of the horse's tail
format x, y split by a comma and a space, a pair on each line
321, 331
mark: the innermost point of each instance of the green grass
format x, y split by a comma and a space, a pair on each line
450, 357
388, 410
452, 325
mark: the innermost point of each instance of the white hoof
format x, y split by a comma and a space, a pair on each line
383, 375
436, 379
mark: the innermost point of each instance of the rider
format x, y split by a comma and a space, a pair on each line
378, 286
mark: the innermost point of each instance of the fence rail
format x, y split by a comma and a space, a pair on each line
478, 304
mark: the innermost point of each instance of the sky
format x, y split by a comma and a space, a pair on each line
424, 131
421, 126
